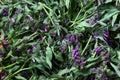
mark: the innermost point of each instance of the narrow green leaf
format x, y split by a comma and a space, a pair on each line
114, 19
116, 69
9, 54
20, 78
67, 2
49, 56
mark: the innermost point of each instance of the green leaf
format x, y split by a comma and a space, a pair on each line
65, 71
107, 1
49, 56
118, 36
83, 24
19, 17
116, 69
27, 9
118, 52
108, 15
20, 78
67, 2
114, 19
9, 54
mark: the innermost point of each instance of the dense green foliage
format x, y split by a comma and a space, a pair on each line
60, 39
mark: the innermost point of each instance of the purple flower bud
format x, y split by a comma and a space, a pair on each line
82, 63
72, 39
90, 20
66, 20
5, 42
33, 46
107, 55
33, 59
77, 46
5, 11
95, 36
29, 50
94, 70
46, 30
77, 57
106, 62
116, 25
106, 78
74, 52
2, 75
98, 50
105, 33
17, 11
67, 36
85, 53
77, 60
12, 20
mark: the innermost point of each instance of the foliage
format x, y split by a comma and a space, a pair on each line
59, 39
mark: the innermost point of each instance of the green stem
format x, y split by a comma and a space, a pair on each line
10, 65
43, 5
80, 12
76, 17
9, 76
86, 45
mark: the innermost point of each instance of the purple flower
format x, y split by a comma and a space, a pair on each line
2, 75
95, 36
94, 70
17, 11
82, 63
33, 46
5, 42
72, 39
66, 20
68, 36
107, 55
102, 1
75, 51
33, 59
46, 30
106, 78
106, 62
12, 20
77, 60
85, 53
98, 50
90, 20
30, 50
116, 25
105, 33
5, 11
